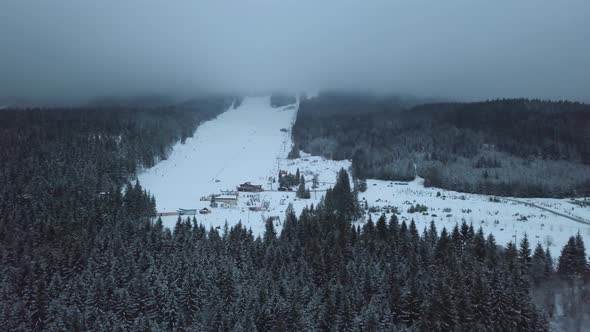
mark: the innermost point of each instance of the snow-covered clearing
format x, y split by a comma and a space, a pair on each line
507, 220
251, 142
248, 143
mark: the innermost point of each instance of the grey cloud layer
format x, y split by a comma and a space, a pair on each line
68, 50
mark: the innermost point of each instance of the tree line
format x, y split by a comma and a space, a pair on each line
510, 147
282, 99
321, 272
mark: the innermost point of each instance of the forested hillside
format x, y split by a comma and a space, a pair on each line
80, 252
511, 147
61, 175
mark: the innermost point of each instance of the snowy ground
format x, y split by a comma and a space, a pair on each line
247, 144
242, 144
507, 220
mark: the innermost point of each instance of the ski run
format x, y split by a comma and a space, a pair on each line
250, 143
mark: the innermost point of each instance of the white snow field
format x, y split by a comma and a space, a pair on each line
247, 144
507, 220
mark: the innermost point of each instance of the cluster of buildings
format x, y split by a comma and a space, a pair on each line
226, 199
229, 198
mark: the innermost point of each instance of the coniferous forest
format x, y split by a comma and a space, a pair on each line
80, 250
513, 147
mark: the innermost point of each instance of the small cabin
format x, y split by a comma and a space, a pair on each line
187, 212
249, 187
231, 200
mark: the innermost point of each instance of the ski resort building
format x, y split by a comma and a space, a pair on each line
228, 200
248, 187
187, 212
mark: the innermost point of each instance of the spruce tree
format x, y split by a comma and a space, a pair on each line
538, 265
581, 262
568, 264
294, 153
270, 234
524, 255
302, 192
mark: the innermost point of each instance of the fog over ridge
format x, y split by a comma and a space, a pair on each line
64, 51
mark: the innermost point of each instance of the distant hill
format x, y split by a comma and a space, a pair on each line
282, 99
515, 147
14, 102
145, 101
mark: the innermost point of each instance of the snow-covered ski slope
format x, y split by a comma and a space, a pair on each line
247, 144
240, 145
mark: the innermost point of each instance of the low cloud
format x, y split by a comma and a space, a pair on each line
65, 51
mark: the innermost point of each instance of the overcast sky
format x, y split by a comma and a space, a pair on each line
71, 50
